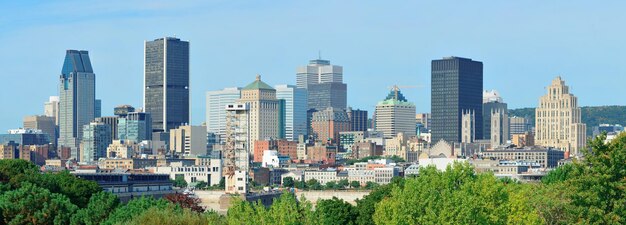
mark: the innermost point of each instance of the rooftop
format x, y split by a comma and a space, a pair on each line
258, 84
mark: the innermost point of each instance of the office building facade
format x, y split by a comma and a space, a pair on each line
188, 141
456, 85
166, 83
295, 107
96, 139
558, 120
327, 124
51, 109
136, 127
492, 102
358, 119
395, 115
264, 110
519, 125
216, 102
318, 71
77, 102
44, 123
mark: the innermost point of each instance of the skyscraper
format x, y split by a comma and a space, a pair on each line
558, 120
77, 103
318, 71
325, 95
216, 102
324, 84
97, 137
166, 91
295, 110
457, 85
395, 114
358, 119
264, 110
136, 127
492, 102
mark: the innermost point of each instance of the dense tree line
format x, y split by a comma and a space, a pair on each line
591, 191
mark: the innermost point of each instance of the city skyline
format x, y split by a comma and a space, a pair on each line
530, 52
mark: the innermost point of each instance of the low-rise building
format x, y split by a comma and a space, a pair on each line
323, 176
546, 157
131, 185
193, 174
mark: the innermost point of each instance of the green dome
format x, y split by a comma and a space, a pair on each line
258, 84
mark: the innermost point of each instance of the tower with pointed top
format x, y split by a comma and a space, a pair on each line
77, 99
558, 120
395, 115
264, 110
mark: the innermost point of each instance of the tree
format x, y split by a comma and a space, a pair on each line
78, 190
314, 184
125, 213
201, 185
335, 211
366, 207
173, 216
35, 205
300, 184
454, 196
355, 184
16, 171
331, 185
185, 202
288, 182
179, 182
371, 185
98, 209
343, 183
222, 184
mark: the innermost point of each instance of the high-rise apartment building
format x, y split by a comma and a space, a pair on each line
327, 124
558, 120
456, 85
77, 99
96, 139
166, 83
136, 127
216, 102
395, 115
492, 102
264, 110
44, 123
295, 110
358, 119
51, 108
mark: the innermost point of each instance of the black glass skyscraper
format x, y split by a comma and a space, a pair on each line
457, 85
166, 91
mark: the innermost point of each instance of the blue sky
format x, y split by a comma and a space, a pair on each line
523, 45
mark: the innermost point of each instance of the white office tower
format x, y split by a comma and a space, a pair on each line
295, 107
318, 71
216, 102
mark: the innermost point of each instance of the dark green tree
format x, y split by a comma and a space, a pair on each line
371, 185
98, 209
335, 211
300, 184
79, 191
125, 213
343, 183
201, 185
288, 182
331, 185
179, 182
313, 184
30, 204
176, 216
366, 207
355, 184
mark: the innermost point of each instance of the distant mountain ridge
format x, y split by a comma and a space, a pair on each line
591, 115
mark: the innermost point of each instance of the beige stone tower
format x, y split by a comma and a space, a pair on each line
557, 120
264, 111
